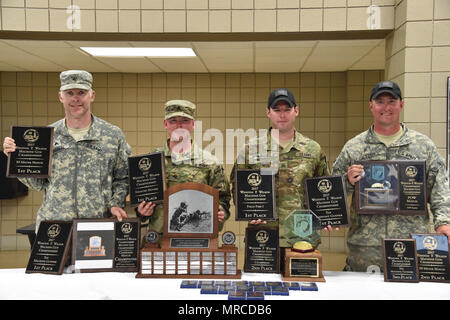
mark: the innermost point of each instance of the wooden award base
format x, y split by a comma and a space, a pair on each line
303, 266
188, 263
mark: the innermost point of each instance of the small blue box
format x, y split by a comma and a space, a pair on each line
292, 285
309, 286
189, 284
237, 295
255, 296
280, 291
207, 289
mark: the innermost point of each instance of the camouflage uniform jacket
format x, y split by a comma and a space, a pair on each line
88, 177
302, 158
195, 166
369, 230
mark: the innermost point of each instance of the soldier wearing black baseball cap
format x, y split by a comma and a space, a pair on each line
281, 94
386, 87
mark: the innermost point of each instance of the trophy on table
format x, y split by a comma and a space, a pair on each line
302, 262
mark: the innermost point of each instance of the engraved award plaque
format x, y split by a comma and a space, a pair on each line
147, 178
34, 152
327, 198
432, 257
400, 260
392, 187
126, 245
254, 194
189, 248
105, 245
302, 262
51, 247
262, 250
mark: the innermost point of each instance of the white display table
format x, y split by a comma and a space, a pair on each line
16, 284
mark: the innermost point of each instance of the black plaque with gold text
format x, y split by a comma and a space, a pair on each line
400, 260
262, 252
50, 249
254, 194
147, 178
433, 257
127, 245
34, 151
412, 186
304, 267
327, 198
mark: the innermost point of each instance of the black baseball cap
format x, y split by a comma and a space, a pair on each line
386, 87
281, 94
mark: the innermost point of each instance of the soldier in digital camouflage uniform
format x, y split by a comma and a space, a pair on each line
89, 177
299, 158
185, 161
388, 139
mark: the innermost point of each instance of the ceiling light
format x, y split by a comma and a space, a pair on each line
139, 52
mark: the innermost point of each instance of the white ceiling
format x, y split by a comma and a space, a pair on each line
243, 56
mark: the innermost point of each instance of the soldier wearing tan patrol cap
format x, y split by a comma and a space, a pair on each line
90, 159
186, 162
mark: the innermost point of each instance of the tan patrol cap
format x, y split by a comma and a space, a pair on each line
179, 108
75, 79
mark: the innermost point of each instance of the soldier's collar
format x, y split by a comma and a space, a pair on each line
403, 140
296, 143
187, 154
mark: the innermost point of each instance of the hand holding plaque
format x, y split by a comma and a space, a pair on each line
396, 187
255, 195
327, 198
34, 151
147, 178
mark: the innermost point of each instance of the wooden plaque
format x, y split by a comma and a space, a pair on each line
34, 152
300, 266
189, 263
51, 247
190, 211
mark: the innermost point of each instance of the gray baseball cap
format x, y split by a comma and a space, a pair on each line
279, 95
75, 79
386, 87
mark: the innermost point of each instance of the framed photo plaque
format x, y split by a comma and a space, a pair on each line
105, 245
392, 187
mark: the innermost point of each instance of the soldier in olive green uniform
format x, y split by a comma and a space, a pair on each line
90, 159
388, 139
186, 162
299, 158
